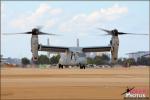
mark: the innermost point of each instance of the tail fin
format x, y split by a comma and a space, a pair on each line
77, 42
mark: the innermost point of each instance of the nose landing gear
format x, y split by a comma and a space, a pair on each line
82, 66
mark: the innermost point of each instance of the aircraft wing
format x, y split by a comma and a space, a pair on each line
96, 49
52, 48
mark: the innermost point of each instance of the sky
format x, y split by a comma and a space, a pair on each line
72, 20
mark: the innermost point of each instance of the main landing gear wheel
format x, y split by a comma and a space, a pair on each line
60, 66
82, 66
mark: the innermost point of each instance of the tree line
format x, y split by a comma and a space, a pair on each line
97, 60
131, 61
105, 59
42, 59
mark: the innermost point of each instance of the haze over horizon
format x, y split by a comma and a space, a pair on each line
73, 19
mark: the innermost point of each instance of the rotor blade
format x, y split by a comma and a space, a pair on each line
43, 33
16, 33
108, 31
103, 35
122, 33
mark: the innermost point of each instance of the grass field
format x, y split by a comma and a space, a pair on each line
71, 84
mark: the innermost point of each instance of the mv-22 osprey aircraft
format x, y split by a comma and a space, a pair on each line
74, 56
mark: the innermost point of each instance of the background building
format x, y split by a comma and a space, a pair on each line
10, 61
136, 55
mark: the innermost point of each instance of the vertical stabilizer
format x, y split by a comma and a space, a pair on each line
48, 43
77, 42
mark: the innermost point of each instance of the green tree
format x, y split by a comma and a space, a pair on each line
105, 57
143, 61
25, 61
131, 61
98, 60
120, 61
90, 61
43, 59
54, 59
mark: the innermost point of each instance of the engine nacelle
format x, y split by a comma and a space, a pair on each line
114, 49
34, 47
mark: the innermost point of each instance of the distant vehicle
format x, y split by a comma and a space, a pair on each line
104, 66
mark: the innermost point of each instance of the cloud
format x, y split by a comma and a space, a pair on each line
80, 23
55, 11
43, 8
83, 22
50, 23
2, 10
37, 17
2, 7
